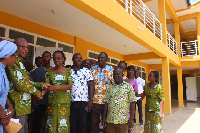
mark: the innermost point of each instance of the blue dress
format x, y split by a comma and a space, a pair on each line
4, 88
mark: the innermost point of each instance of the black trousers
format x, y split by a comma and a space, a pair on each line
78, 117
139, 104
39, 123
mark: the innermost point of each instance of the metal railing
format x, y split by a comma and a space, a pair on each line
141, 12
172, 44
189, 48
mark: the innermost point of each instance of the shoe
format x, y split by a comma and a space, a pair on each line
141, 124
134, 123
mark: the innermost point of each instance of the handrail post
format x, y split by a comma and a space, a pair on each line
143, 6
161, 32
154, 25
131, 6
173, 45
126, 5
181, 50
196, 49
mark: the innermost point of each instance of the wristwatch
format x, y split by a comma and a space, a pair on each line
91, 99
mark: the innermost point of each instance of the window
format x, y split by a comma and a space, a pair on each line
2, 32
30, 54
45, 42
16, 34
66, 48
142, 71
94, 56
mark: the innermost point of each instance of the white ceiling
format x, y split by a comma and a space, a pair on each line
153, 6
59, 15
152, 61
179, 4
170, 28
189, 25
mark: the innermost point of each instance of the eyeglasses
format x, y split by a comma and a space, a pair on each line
22, 46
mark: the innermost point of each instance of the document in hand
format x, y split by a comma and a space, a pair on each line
13, 127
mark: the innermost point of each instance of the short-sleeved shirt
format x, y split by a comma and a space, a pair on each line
153, 97
141, 84
21, 88
59, 96
102, 78
119, 98
134, 84
79, 90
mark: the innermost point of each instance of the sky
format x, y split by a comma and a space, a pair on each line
193, 1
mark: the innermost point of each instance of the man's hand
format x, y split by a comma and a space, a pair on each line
130, 124
90, 105
43, 92
46, 86
5, 121
40, 96
10, 111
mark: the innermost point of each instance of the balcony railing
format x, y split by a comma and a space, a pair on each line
172, 44
189, 48
142, 13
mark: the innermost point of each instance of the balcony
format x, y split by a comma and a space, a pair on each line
189, 48
172, 44
142, 13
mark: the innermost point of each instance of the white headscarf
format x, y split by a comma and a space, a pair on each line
7, 48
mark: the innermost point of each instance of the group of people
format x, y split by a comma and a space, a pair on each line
77, 98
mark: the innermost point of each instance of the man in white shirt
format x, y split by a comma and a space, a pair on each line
82, 93
141, 84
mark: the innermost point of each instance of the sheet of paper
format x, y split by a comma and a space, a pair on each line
15, 120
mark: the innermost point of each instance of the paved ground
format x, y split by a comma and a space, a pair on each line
182, 119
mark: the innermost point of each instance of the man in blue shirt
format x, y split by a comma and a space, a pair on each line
8, 56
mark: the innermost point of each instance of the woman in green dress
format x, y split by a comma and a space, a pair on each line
154, 104
58, 108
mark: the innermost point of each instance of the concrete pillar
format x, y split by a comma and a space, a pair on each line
180, 86
177, 37
166, 84
162, 18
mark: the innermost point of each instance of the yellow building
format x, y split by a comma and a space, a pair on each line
140, 32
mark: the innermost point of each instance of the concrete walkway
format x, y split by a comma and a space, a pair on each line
182, 119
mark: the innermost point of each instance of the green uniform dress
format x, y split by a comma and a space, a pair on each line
58, 107
152, 108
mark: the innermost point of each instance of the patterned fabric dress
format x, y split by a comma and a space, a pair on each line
152, 108
58, 107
